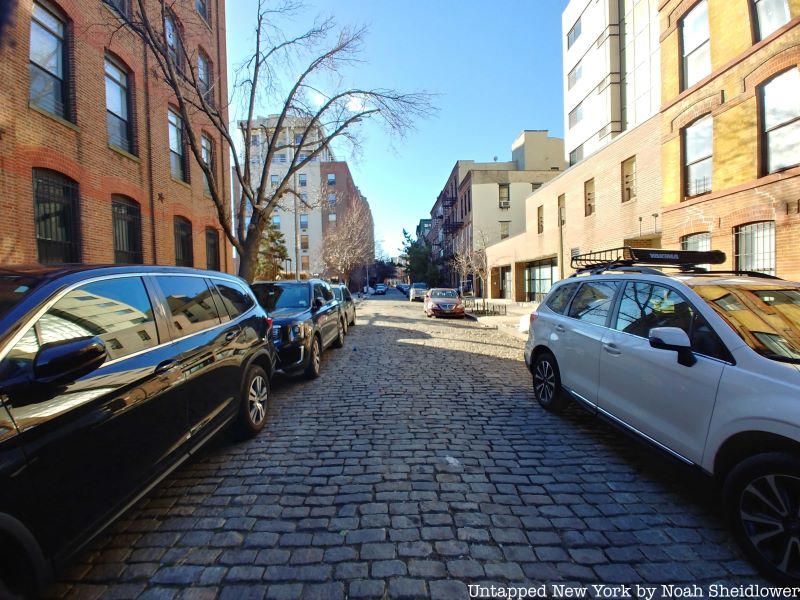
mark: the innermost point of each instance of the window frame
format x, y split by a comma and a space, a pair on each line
127, 90
174, 333
212, 234
685, 165
203, 60
207, 145
134, 222
758, 36
682, 46
301, 220
574, 34
763, 132
181, 154
65, 80
70, 198
589, 198
540, 219
628, 187
205, 14
738, 231
620, 284
331, 179
176, 52
182, 221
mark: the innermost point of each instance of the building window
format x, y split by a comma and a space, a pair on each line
118, 105
698, 242
574, 76
574, 33
48, 68
184, 249
780, 118
504, 229
695, 45
588, 198
57, 214
576, 115
202, 9
121, 6
204, 76
539, 278
304, 242
304, 198
332, 199
273, 180
303, 221
755, 247
770, 15
540, 219
331, 178
172, 36
332, 219
276, 221
576, 155
298, 139
177, 164
207, 154
504, 196
212, 249
303, 179
562, 210
127, 224
698, 148
629, 179
304, 263
280, 158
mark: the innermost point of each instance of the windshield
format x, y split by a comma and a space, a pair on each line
14, 288
444, 294
765, 317
420, 286
273, 296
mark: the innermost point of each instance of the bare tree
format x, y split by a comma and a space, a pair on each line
461, 262
300, 76
350, 244
478, 260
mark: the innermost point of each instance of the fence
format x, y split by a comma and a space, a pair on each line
482, 307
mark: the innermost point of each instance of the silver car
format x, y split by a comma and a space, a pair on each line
417, 291
703, 365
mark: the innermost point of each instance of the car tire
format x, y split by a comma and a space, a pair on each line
353, 321
339, 341
312, 369
763, 487
344, 325
254, 403
547, 382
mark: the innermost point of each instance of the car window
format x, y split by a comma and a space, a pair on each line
347, 295
444, 294
319, 293
14, 288
558, 300
593, 301
644, 306
327, 293
273, 296
189, 302
235, 300
118, 311
337, 292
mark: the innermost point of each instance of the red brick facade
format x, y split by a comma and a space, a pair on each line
78, 148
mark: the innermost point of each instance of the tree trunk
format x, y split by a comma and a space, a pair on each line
248, 262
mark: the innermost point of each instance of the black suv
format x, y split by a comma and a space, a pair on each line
110, 377
306, 320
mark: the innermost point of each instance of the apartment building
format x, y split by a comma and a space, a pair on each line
483, 203
94, 161
423, 229
611, 71
731, 130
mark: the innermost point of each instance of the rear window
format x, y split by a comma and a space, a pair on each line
593, 302
190, 304
558, 300
419, 286
273, 296
13, 288
766, 317
234, 298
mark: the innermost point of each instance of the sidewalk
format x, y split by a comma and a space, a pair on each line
516, 320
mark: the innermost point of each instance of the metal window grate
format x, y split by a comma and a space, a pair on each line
56, 209
127, 222
755, 247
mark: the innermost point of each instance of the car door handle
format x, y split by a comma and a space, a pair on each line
165, 366
560, 329
612, 349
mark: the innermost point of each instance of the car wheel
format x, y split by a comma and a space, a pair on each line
254, 402
353, 320
314, 359
339, 341
547, 382
762, 503
344, 325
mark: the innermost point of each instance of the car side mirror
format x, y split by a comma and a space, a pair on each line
676, 340
68, 360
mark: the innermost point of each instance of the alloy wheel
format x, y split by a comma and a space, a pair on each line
257, 397
544, 381
315, 356
769, 510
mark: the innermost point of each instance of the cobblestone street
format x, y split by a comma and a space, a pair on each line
418, 463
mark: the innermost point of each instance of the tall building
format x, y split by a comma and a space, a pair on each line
94, 161
320, 194
483, 203
611, 71
423, 229
731, 130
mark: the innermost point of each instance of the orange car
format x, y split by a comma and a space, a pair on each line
443, 302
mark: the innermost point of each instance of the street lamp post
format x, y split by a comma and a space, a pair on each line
288, 265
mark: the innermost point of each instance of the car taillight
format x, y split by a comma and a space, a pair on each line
268, 321
534, 316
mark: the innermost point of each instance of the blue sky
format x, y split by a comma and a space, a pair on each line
495, 67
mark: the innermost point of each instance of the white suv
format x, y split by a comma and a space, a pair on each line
705, 366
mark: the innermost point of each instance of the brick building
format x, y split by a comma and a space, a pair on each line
731, 130
94, 161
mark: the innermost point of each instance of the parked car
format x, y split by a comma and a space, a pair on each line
417, 291
704, 365
403, 288
443, 302
380, 289
306, 321
111, 377
346, 304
